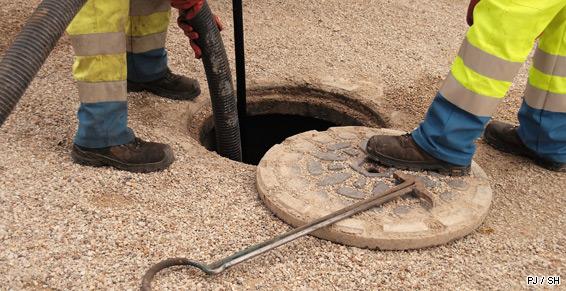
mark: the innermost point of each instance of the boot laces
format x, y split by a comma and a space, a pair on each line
135, 144
405, 139
169, 76
138, 142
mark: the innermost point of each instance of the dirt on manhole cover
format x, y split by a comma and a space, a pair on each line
314, 173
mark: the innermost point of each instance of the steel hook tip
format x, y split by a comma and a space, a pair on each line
148, 276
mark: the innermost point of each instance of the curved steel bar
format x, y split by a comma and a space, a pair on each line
148, 276
409, 184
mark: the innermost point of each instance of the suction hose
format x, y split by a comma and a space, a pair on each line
31, 48
220, 85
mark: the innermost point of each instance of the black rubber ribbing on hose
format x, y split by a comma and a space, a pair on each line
31, 47
219, 77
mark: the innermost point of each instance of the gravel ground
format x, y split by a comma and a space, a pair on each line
63, 226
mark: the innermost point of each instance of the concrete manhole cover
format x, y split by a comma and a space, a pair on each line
314, 173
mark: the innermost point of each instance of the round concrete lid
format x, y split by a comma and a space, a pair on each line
314, 173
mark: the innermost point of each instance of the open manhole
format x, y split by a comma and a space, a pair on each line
276, 113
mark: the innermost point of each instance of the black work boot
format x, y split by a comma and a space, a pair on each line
403, 153
171, 86
137, 156
504, 137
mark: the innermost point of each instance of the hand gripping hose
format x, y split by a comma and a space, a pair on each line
219, 77
31, 47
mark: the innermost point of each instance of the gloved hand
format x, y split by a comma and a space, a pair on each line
188, 9
470, 17
192, 7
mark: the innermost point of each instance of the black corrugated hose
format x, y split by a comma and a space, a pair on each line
220, 85
31, 47
224, 107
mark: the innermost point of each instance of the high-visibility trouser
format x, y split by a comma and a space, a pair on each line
495, 48
115, 41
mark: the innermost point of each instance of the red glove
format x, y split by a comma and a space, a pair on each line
191, 6
470, 17
188, 10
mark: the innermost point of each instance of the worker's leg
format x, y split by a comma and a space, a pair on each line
147, 31
543, 114
147, 57
494, 49
98, 38
103, 137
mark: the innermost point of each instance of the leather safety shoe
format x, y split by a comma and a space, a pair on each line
402, 152
137, 156
503, 137
171, 86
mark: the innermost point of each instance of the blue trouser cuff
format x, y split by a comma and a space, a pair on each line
448, 132
103, 124
544, 132
148, 66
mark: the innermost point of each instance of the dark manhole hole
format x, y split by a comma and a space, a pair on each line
261, 132
275, 114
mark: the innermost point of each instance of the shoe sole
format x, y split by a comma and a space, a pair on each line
446, 170
96, 160
188, 96
496, 144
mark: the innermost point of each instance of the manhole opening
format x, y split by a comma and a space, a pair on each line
274, 115
261, 132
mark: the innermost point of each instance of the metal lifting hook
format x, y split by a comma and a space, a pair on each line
410, 184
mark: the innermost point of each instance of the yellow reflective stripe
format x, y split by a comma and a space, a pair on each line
552, 40
540, 99
109, 43
102, 91
99, 16
487, 64
100, 68
147, 7
553, 84
467, 100
478, 83
142, 44
549, 64
146, 25
508, 29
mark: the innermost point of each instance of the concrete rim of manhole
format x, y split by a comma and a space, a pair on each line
314, 173
344, 103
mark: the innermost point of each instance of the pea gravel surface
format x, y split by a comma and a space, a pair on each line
64, 226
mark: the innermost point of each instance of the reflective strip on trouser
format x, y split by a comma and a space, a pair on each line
543, 114
98, 37
147, 32
495, 47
